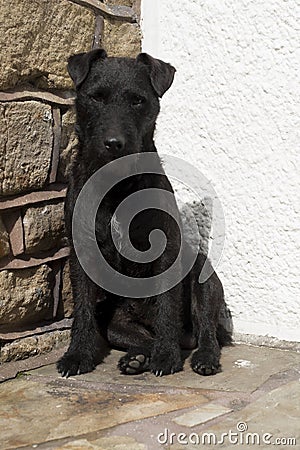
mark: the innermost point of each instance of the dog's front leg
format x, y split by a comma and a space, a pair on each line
166, 355
206, 301
86, 342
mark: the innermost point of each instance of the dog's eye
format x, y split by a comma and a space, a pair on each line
99, 96
137, 101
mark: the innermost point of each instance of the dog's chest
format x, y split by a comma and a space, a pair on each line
115, 235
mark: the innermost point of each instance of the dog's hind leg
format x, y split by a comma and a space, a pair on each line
138, 342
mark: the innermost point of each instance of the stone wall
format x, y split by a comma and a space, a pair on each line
36, 146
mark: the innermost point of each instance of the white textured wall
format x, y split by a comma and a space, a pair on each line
233, 111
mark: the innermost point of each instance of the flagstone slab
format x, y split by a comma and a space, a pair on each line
106, 410
39, 411
275, 415
245, 369
201, 415
106, 443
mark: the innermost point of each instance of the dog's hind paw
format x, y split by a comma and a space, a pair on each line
205, 365
132, 364
73, 364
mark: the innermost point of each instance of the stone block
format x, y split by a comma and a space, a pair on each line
34, 345
37, 38
121, 38
67, 146
25, 146
43, 227
25, 296
4, 240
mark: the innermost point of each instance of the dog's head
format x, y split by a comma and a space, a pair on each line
117, 102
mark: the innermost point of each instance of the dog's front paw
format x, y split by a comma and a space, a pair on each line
134, 362
74, 364
205, 363
165, 362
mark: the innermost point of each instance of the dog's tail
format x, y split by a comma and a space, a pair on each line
225, 327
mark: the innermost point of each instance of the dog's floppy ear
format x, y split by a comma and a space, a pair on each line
161, 73
80, 64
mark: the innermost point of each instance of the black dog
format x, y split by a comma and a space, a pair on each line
117, 106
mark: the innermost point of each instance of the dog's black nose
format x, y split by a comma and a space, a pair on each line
114, 144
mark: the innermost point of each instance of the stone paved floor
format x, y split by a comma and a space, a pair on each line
256, 399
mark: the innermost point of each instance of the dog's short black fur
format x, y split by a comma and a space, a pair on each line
117, 106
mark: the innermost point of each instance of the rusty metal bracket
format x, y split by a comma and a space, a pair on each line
53, 191
26, 261
124, 13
